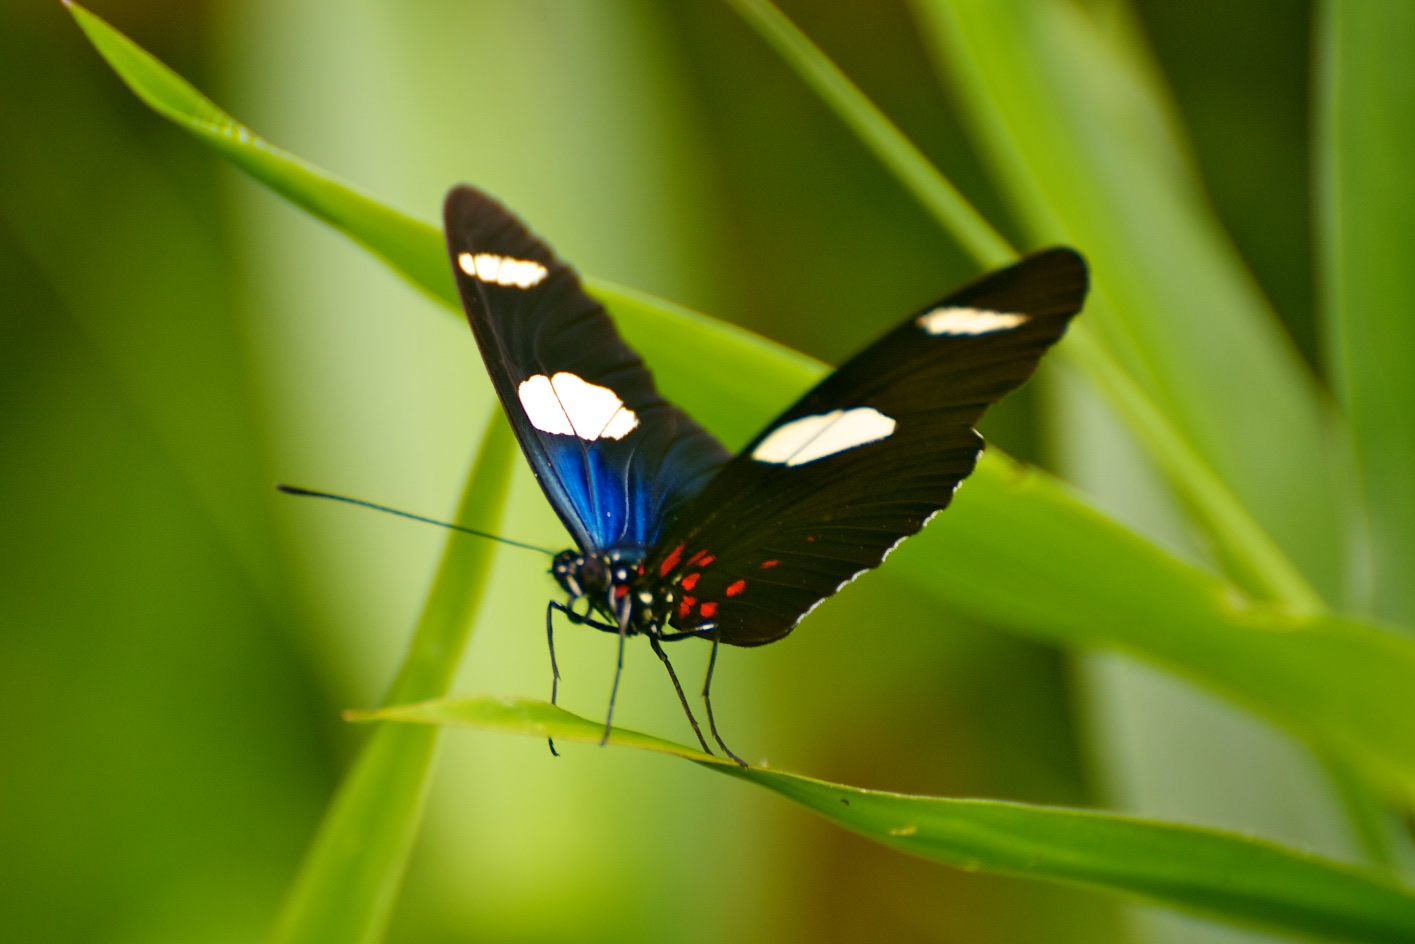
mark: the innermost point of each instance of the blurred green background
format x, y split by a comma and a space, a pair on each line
176, 640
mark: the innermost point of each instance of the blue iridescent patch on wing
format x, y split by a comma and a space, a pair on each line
618, 510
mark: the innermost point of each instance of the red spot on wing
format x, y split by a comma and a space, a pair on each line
685, 606
736, 587
695, 558
691, 581
671, 561
620, 590
768, 565
706, 560
708, 609
810, 538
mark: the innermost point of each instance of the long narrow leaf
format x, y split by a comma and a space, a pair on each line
1366, 149
1254, 559
1221, 875
1087, 154
896, 152
347, 884
1017, 549
408, 245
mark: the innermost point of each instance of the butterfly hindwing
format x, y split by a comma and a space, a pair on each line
864, 459
614, 458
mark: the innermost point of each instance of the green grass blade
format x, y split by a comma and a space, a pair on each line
348, 881
408, 245
1366, 148
1332, 680
933, 191
1020, 551
1365, 144
1077, 137
1255, 561
1220, 875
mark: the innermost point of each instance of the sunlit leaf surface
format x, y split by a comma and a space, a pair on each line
1205, 871
1366, 149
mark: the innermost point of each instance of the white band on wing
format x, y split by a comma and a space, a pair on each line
967, 321
502, 270
814, 437
565, 404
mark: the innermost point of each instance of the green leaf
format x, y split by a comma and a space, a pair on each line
1253, 558
896, 152
1078, 136
1017, 549
349, 879
1366, 148
408, 245
1221, 875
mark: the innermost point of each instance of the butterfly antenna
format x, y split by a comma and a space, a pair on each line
310, 493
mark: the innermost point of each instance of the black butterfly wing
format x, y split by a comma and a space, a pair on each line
862, 461
614, 458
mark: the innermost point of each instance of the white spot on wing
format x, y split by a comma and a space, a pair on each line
968, 321
502, 270
825, 434
567, 405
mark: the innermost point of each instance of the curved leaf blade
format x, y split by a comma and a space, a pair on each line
1079, 136
1253, 559
410, 246
1365, 148
1221, 875
348, 881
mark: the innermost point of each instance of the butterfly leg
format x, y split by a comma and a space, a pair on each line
682, 699
707, 700
586, 620
689, 634
624, 614
554, 668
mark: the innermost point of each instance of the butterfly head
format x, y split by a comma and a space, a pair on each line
580, 575
615, 585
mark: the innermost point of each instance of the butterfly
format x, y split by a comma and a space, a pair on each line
675, 537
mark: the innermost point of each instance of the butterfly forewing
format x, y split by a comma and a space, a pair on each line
864, 459
614, 458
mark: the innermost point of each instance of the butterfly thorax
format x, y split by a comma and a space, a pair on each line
615, 586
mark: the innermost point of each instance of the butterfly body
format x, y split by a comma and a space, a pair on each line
616, 587
677, 538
